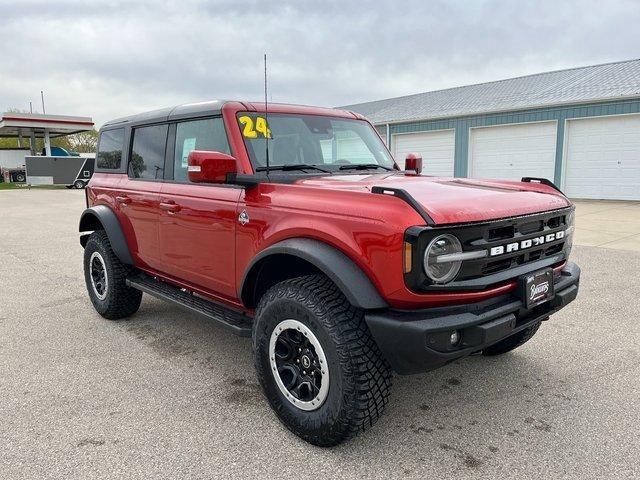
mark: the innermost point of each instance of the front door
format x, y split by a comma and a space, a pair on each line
198, 221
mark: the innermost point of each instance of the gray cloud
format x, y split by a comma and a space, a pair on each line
108, 59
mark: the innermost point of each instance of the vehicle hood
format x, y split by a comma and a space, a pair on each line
454, 200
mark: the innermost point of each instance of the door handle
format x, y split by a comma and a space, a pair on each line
123, 200
170, 207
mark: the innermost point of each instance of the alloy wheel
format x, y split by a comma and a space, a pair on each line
299, 365
98, 274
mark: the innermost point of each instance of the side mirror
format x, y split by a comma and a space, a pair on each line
210, 167
413, 162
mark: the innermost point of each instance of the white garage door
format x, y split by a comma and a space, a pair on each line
437, 150
603, 158
513, 151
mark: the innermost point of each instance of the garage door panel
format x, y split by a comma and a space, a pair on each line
513, 151
631, 156
436, 148
603, 158
632, 138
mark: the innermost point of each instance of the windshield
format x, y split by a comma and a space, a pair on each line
329, 143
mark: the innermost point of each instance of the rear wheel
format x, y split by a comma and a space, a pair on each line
512, 342
320, 369
105, 276
79, 184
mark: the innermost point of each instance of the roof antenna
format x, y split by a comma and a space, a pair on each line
266, 114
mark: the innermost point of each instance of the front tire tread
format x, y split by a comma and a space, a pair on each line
364, 368
122, 301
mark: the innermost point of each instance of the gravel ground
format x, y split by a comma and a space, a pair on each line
169, 395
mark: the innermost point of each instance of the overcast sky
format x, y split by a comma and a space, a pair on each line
108, 59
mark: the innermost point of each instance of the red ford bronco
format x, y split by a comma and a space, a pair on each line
295, 226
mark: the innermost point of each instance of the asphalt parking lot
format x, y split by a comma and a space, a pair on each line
169, 395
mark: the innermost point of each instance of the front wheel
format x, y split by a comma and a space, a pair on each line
106, 276
78, 184
319, 367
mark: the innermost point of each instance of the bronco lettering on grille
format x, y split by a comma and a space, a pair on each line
524, 244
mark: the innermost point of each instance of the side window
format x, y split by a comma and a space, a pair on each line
109, 155
147, 152
207, 134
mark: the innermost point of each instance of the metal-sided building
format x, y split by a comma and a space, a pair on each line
578, 127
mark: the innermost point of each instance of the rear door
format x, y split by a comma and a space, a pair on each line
138, 196
198, 221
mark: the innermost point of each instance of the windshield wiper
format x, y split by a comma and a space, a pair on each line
295, 166
363, 166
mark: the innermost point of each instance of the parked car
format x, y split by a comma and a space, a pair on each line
295, 226
60, 152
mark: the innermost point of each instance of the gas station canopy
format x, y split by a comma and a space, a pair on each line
36, 125
30, 125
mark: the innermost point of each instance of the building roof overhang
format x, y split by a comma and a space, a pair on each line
24, 124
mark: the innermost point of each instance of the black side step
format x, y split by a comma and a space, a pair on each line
236, 322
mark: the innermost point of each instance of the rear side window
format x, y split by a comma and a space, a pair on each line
109, 155
207, 134
147, 152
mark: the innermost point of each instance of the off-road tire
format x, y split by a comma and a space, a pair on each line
120, 301
360, 378
512, 342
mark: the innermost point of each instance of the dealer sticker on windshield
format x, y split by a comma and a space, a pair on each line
254, 127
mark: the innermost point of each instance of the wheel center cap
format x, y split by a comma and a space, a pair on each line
306, 361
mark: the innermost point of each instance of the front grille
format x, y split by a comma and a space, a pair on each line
552, 250
516, 230
501, 233
496, 266
495, 235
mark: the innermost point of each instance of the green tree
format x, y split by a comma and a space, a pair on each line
84, 142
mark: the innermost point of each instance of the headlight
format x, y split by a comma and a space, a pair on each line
438, 267
568, 242
570, 218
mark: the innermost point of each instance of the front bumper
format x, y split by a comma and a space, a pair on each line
418, 341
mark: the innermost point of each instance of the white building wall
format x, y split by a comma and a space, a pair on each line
12, 158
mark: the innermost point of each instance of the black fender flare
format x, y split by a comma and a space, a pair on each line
101, 215
347, 276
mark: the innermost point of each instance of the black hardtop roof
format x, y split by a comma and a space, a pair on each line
210, 108
187, 110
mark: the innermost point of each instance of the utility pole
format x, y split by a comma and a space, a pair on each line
42, 97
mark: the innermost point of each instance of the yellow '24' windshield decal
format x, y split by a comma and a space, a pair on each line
251, 129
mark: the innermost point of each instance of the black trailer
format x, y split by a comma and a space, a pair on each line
71, 171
